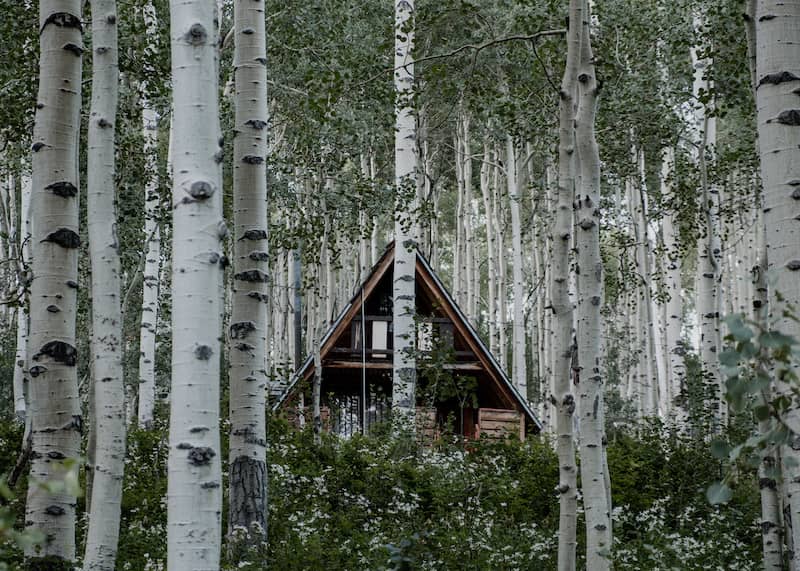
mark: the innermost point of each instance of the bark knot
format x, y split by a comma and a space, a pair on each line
196, 35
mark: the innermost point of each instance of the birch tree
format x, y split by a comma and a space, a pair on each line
23, 325
248, 329
518, 368
404, 308
55, 412
590, 296
152, 233
777, 26
564, 399
194, 499
109, 391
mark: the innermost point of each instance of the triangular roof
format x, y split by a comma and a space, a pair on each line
427, 278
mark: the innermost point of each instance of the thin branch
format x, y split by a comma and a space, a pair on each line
477, 47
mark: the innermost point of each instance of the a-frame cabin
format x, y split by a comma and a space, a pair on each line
460, 386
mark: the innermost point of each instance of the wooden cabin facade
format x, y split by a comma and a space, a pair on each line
461, 388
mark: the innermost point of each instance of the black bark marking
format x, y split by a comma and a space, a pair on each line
213, 258
244, 347
248, 499
262, 60
793, 265
256, 124
59, 351
252, 276
203, 352
569, 403
72, 284
65, 238
64, 189
258, 296
241, 330
74, 48
103, 123
587, 224
766, 17
63, 20
209, 485
767, 483
53, 309
222, 230
248, 31
54, 510
196, 35
37, 370
253, 160
201, 455
224, 262
789, 117
55, 455
201, 190
777, 78
36, 147
254, 235
184, 446
259, 256
111, 19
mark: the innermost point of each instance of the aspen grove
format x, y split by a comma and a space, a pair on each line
400, 285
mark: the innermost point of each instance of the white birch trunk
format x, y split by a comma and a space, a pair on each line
23, 319
563, 398
248, 330
194, 498
778, 78
518, 368
458, 262
109, 390
590, 297
491, 300
676, 369
56, 422
404, 338
152, 233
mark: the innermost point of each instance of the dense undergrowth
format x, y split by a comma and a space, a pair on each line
368, 503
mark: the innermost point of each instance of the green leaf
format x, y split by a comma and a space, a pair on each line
720, 449
729, 358
776, 340
737, 328
761, 412
718, 493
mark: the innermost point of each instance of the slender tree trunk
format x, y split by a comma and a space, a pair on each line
676, 369
502, 270
194, 498
777, 25
590, 297
23, 319
297, 307
56, 413
404, 308
109, 390
152, 233
518, 368
249, 328
561, 305
458, 262
490, 247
